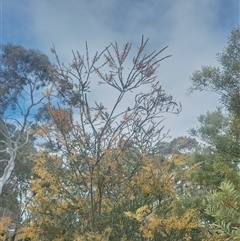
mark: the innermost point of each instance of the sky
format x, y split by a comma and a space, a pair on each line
193, 30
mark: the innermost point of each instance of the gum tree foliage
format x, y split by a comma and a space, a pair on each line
176, 145
220, 131
23, 74
223, 80
93, 149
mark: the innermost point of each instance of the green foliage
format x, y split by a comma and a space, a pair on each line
218, 157
177, 145
224, 206
225, 80
20, 68
23, 74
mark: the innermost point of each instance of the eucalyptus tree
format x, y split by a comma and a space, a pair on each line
219, 158
23, 75
223, 80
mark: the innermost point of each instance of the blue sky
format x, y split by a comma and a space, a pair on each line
194, 31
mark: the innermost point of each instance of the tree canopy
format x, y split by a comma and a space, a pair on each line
23, 75
219, 172
91, 161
